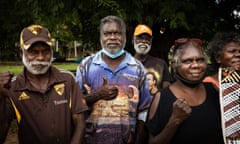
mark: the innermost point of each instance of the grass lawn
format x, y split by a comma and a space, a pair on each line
17, 67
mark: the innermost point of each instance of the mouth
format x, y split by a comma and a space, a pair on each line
196, 74
113, 45
236, 62
142, 46
39, 66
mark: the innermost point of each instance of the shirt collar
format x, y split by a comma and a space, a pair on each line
23, 83
129, 59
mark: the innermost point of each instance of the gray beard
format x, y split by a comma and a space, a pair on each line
36, 67
139, 51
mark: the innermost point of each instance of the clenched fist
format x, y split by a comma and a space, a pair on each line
5, 82
5, 79
181, 110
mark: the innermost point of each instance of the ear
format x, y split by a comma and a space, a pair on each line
218, 59
154, 81
20, 51
133, 40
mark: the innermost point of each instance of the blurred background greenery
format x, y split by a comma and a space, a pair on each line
17, 67
74, 23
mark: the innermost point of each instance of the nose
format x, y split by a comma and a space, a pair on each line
40, 56
145, 40
195, 64
113, 35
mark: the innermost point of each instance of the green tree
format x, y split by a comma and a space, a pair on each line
70, 20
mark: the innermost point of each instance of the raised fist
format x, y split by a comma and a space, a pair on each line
5, 79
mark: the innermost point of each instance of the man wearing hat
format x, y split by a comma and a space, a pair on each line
46, 102
142, 41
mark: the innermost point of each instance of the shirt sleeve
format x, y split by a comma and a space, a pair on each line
82, 70
78, 103
145, 97
79, 76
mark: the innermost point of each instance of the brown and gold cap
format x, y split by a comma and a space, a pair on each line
34, 33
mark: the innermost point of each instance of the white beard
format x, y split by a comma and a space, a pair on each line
36, 67
142, 48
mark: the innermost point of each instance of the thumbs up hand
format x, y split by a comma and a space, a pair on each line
107, 92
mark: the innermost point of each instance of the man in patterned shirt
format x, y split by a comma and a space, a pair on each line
116, 88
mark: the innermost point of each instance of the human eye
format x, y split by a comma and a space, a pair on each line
201, 60
32, 52
46, 51
118, 33
232, 50
187, 61
106, 34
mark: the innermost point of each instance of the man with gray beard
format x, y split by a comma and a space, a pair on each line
142, 41
46, 102
117, 90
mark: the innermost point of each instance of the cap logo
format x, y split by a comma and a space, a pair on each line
34, 33
35, 29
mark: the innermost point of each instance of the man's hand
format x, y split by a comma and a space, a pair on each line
107, 92
87, 88
5, 82
5, 79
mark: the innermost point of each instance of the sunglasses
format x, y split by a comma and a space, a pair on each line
181, 41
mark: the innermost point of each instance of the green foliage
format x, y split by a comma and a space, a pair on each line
70, 20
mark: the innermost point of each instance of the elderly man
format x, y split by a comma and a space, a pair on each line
117, 88
142, 41
47, 102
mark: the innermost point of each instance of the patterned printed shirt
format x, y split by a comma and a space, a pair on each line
114, 121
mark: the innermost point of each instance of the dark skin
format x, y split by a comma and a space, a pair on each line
229, 58
106, 92
78, 134
42, 52
5, 81
112, 39
192, 67
145, 38
180, 112
38, 52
